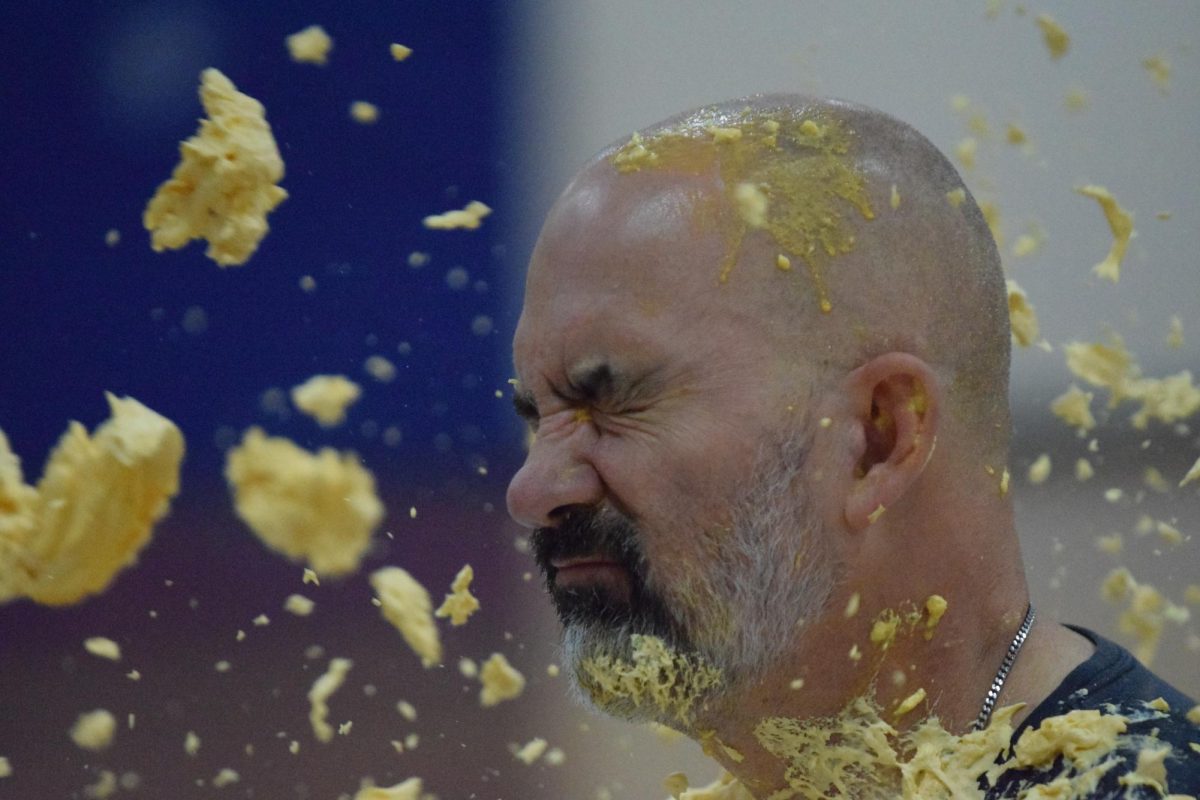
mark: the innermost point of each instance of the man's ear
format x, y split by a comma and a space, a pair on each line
895, 399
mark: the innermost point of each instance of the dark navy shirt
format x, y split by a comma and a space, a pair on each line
1112, 681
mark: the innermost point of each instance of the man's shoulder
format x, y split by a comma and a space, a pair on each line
1111, 729
1112, 676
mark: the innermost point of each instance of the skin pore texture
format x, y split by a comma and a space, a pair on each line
764, 349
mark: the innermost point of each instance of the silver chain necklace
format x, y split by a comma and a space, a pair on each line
993, 694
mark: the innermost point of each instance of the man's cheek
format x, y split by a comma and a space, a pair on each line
680, 566
694, 597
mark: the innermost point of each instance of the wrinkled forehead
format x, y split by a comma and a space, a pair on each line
642, 244
608, 225
625, 265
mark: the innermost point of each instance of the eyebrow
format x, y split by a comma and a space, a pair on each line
592, 381
525, 406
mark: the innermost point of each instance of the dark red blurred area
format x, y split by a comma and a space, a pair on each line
177, 613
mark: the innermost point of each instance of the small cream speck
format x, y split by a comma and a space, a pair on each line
103, 647
909, 703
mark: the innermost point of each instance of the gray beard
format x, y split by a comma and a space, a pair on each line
773, 571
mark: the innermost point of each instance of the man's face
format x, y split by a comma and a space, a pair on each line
664, 484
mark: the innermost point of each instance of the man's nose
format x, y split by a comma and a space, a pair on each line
554, 478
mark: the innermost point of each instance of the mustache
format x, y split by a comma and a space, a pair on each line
589, 532
607, 534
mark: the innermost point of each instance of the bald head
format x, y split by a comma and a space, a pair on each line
843, 230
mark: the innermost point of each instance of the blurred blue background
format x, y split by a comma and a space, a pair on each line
97, 98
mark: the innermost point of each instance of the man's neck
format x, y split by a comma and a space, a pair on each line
946, 676
1048, 656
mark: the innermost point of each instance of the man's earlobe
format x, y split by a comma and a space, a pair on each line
896, 401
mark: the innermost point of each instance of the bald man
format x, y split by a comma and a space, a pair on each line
764, 352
